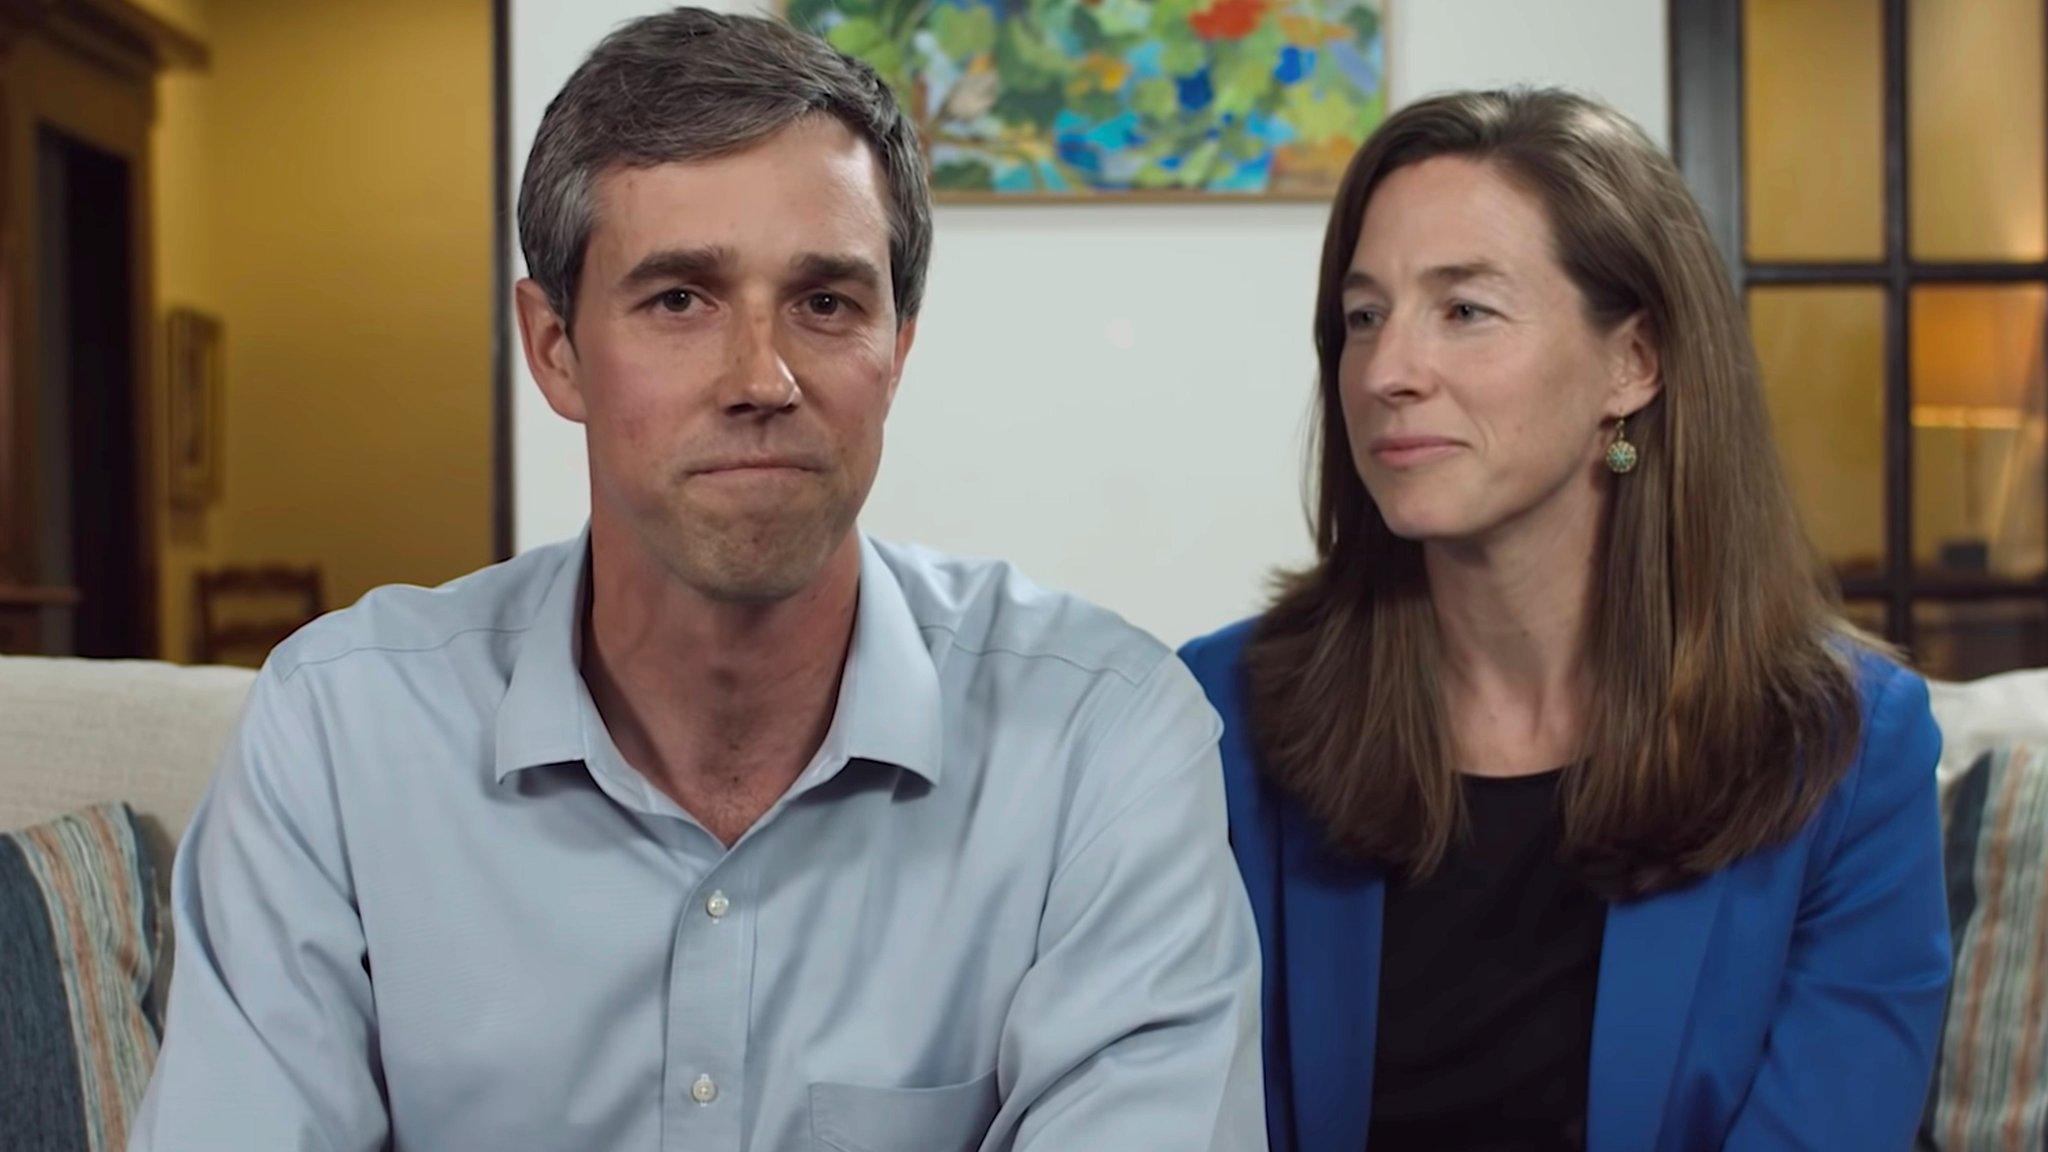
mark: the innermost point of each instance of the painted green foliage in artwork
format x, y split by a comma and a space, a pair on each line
1092, 96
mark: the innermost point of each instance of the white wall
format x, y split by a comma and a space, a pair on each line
1113, 396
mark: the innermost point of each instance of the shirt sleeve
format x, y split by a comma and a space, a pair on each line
270, 1039
1858, 1020
1138, 1024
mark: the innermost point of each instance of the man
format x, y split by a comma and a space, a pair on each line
723, 827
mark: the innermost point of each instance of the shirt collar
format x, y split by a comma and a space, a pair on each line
538, 721
889, 703
889, 706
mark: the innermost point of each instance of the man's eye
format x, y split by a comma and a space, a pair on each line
676, 300
824, 304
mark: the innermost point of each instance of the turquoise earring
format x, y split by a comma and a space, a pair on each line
1621, 455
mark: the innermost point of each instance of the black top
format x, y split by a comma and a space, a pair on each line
1487, 978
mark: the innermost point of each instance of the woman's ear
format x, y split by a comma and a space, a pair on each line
1636, 369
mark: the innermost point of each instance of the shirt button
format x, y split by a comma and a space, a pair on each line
703, 1091
717, 906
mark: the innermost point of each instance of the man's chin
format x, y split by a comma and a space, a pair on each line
756, 571
753, 588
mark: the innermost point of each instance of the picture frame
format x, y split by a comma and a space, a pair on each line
194, 407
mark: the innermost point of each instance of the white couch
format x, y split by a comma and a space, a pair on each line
1984, 714
78, 732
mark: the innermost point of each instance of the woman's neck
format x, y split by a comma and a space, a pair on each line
1511, 620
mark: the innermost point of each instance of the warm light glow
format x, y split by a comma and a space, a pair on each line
1977, 346
1963, 416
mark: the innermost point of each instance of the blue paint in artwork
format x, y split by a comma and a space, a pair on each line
1271, 129
1100, 150
1120, 131
1195, 92
1295, 64
1145, 60
1076, 150
1121, 169
1361, 68
941, 72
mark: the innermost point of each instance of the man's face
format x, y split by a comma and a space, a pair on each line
736, 349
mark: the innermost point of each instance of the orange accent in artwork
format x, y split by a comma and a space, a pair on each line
1228, 19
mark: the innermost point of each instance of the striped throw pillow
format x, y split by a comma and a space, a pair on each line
1991, 1085
77, 949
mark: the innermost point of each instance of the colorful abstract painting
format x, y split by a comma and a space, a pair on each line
1077, 98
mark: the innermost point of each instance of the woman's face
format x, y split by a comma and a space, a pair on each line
1478, 397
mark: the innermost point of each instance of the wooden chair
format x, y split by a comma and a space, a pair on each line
244, 612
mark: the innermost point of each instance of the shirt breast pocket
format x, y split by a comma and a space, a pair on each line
953, 1118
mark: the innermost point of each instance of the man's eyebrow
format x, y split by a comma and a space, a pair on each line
714, 264
678, 264
824, 267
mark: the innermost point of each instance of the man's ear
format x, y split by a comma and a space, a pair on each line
1635, 367
550, 354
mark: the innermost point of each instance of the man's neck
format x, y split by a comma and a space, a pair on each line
720, 705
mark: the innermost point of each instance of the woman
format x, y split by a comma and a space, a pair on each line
1573, 813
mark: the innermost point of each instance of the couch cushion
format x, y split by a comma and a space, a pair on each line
1994, 712
1991, 1085
77, 951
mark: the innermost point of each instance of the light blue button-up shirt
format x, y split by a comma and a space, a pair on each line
427, 905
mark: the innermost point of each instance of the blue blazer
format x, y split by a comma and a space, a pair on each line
1792, 1000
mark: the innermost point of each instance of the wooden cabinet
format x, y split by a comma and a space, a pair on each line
21, 617
21, 631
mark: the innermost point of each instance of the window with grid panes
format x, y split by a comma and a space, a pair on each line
1876, 172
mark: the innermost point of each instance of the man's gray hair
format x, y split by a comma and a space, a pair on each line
689, 84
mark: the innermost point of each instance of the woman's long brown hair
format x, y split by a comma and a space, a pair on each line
1723, 708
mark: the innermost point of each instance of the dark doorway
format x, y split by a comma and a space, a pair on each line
88, 497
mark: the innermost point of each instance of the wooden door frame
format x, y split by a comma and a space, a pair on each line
86, 69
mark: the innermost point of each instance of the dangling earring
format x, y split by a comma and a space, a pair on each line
1621, 455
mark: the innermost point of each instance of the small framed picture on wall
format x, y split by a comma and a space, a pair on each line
193, 407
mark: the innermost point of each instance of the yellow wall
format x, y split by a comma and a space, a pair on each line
189, 15
326, 189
